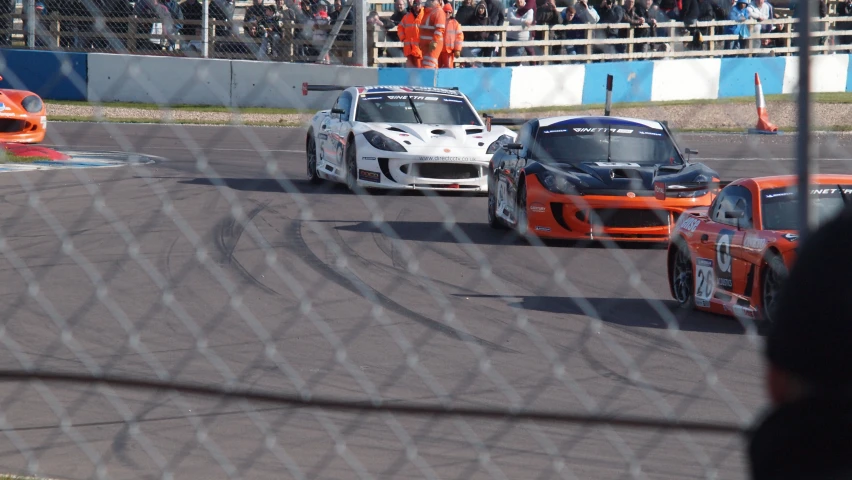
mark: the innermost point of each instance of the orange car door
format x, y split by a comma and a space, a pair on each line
720, 252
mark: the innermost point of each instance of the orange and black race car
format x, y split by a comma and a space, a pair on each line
732, 257
595, 178
23, 117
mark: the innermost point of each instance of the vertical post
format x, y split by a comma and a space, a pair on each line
803, 145
29, 8
608, 106
360, 53
205, 28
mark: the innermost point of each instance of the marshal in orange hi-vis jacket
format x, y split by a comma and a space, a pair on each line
593, 178
432, 33
23, 118
733, 257
453, 39
408, 32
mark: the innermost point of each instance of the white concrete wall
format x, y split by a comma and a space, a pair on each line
162, 80
688, 79
828, 73
279, 85
547, 86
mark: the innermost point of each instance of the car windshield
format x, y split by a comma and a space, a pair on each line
395, 107
579, 143
779, 205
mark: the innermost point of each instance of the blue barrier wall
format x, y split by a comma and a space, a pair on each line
76, 76
51, 75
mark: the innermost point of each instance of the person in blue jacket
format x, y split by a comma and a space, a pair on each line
739, 13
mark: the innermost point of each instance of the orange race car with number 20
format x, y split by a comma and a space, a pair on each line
23, 117
733, 257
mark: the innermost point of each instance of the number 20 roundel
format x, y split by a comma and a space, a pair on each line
724, 261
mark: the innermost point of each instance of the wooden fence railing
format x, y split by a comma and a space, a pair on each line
673, 39
297, 42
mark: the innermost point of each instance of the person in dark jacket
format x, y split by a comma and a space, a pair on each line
807, 433
496, 17
478, 19
465, 11
610, 12
547, 14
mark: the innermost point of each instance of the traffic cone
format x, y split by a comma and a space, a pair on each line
763, 123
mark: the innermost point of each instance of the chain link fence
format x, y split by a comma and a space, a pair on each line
212, 314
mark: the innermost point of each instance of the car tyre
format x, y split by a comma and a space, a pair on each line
493, 220
774, 275
351, 168
682, 276
311, 153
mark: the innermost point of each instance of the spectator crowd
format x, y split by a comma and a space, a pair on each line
433, 33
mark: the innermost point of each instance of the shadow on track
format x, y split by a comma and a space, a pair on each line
477, 233
628, 312
286, 185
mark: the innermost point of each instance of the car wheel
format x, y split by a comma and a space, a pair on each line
351, 168
493, 220
774, 275
311, 152
682, 279
521, 215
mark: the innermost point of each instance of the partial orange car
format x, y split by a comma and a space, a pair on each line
23, 117
595, 178
733, 257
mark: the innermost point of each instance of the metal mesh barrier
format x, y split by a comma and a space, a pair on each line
204, 311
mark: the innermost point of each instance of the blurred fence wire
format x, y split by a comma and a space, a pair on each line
213, 315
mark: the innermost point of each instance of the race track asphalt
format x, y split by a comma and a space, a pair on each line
299, 289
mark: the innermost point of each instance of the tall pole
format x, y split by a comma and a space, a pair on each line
205, 28
360, 53
29, 5
803, 139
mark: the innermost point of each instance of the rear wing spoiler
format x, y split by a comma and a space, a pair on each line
490, 120
663, 190
307, 87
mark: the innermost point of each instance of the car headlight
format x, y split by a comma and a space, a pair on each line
496, 144
558, 183
382, 142
32, 104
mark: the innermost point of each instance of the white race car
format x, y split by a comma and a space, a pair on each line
388, 137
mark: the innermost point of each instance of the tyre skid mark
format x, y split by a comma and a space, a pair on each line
228, 234
351, 282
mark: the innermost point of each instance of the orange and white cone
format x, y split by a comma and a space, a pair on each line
763, 123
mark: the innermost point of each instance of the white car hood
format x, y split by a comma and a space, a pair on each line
421, 135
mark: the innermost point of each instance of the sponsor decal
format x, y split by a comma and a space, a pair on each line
724, 260
446, 159
537, 207
830, 191
651, 133
413, 97
3, 107
791, 237
446, 150
453, 100
754, 242
631, 195
601, 130
555, 131
742, 311
542, 229
369, 159
689, 224
704, 284
369, 176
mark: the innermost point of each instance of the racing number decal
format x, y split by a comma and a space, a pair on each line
724, 261
704, 281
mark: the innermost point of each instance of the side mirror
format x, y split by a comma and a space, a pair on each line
487, 123
739, 214
513, 146
690, 151
338, 111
